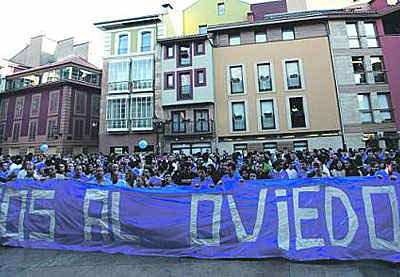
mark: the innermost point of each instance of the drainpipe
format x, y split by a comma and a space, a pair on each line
214, 93
336, 85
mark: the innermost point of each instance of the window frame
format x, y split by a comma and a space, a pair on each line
349, 38
109, 117
4, 105
16, 135
81, 93
364, 111
363, 72
220, 4
18, 117
375, 37
140, 40
287, 28
39, 97
139, 84
178, 55
306, 113
51, 94
233, 36
196, 44
272, 76
166, 84
196, 77
180, 122
30, 135
117, 42
166, 53
93, 104
231, 120
229, 81
125, 61
379, 72
276, 115
132, 119
47, 126
179, 87
301, 72
260, 32
389, 109
203, 26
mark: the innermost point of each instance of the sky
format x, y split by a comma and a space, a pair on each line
22, 19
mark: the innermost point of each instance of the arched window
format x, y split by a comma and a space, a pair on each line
146, 42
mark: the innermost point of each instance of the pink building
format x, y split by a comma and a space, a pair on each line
388, 27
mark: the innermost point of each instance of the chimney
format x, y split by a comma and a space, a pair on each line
166, 7
250, 16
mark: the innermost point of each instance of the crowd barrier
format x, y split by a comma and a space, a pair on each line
309, 219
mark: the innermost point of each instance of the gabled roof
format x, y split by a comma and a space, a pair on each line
107, 25
76, 60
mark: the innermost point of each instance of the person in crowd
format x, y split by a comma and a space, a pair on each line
79, 175
53, 174
202, 181
100, 180
277, 171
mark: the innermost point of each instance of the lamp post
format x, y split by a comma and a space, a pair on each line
158, 126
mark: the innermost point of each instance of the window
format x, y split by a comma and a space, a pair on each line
95, 105
240, 148
80, 104
370, 32
32, 130
221, 9
117, 117
288, 33
3, 109
267, 115
142, 112
234, 40
52, 127
53, 102
352, 35
142, 73
185, 86
185, 54
203, 29
270, 147
378, 69
238, 116
300, 145
35, 105
236, 79
169, 80
2, 132
123, 41
169, 52
297, 113
118, 76
199, 48
364, 103
359, 70
201, 120
78, 128
200, 77
293, 75
178, 122
146, 42
16, 131
264, 77
261, 37
385, 106
19, 107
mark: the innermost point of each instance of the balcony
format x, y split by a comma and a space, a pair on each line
118, 87
186, 127
142, 84
129, 125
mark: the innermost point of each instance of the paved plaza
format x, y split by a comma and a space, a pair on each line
32, 262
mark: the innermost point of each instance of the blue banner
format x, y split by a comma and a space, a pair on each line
310, 219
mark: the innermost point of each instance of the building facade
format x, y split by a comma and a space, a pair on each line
312, 5
55, 104
363, 88
130, 89
203, 13
388, 28
187, 96
272, 90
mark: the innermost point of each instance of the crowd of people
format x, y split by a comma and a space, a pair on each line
200, 170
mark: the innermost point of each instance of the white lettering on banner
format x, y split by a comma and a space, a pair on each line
116, 219
240, 230
330, 193
102, 222
304, 213
47, 195
283, 221
379, 243
4, 209
216, 220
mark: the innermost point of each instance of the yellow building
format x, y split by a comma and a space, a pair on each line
203, 13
